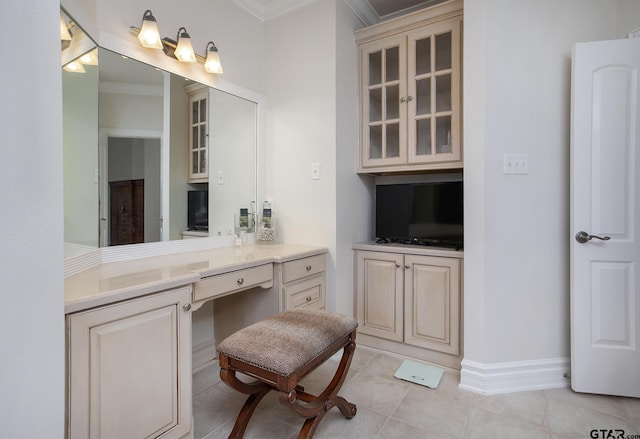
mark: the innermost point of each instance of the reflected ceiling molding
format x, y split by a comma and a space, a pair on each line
130, 89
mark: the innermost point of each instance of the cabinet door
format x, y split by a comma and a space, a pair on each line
434, 85
129, 369
432, 303
379, 294
199, 138
383, 102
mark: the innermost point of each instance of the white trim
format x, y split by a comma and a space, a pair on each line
515, 376
363, 10
634, 33
267, 10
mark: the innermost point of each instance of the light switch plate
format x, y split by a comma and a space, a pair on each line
315, 171
516, 164
220, 177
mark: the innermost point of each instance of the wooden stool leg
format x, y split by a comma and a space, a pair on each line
313, 407
256, 392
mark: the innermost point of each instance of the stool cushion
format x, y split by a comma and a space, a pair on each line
287, 341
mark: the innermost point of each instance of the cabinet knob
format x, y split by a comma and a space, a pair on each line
186, 306
407, 266
240, 281
308, 267
308, 298
397, 265
403, 99
409, 98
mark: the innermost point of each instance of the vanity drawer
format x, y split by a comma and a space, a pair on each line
308, 293
304, 267
233, 282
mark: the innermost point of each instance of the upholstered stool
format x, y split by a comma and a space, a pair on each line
279, 352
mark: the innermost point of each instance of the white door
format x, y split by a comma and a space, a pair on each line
605, 218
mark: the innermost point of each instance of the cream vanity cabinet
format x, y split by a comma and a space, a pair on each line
410, 103
302, 283
129, 368
410, 303
198, 134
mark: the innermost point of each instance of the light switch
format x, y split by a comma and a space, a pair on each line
220, 177
516, 164
315, 171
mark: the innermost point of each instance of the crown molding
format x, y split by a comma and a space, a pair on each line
363, 10
266, 10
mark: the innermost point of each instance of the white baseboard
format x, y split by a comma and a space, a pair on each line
203, 354
515, 376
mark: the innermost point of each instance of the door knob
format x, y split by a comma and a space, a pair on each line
584, 237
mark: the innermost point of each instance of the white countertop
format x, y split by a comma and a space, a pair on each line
116, 281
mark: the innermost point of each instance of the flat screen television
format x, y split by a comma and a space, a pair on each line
420, 213
198, 210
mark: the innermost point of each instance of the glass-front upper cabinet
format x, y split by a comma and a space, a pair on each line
198, 135
383, 112
410, 93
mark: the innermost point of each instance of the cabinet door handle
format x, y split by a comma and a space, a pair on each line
186, 306
240, 281
308, 267
407, 267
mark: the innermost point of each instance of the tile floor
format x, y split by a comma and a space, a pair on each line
389, 408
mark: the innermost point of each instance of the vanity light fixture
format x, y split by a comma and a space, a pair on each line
180, 48
149, 35
65, 35
212, 64
74, 67
90, 58
184, 49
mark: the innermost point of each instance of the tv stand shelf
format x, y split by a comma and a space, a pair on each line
409, 300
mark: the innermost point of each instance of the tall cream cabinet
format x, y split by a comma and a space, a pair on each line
410, 95
129, 368
408, 301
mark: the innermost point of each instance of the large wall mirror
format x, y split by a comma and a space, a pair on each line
149, 155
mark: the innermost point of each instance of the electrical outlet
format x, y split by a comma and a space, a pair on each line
315, 171
516, 164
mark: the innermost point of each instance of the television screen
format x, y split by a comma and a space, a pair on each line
198, 210
420, 213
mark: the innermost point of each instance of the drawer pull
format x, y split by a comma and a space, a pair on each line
308, 298
186, 306
240, 281
308, 267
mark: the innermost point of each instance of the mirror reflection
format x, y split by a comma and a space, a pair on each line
150, 156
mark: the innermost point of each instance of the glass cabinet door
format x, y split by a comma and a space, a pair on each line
434, 82
198, 138
384, 102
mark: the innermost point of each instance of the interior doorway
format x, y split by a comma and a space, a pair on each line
130, 189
